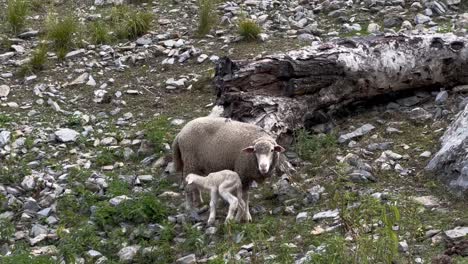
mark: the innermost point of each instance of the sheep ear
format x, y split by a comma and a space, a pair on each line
279, 148
249, 149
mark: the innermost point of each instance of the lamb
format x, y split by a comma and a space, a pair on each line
223, 183
210, 144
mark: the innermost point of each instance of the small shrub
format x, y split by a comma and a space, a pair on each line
26, 258
60, 31
206, 16
39, 58
7, 229
99, 32
37, 62
106, 157
78, 240
17, 10
195, 239
130, 24
249, 29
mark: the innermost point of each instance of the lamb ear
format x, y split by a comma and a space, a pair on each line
279, 148
249, 149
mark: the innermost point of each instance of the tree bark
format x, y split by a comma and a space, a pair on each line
284, 92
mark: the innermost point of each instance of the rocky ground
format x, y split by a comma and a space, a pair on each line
84, 144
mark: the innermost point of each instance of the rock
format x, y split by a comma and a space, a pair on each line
393, 21
453, 2
428, 201
176, 83
373, 28
461, 88
45, 212
425, 154
403, 246
361, 176
37, 230
202, 58
326, 214
82, 79
66, 135
93, 254
127, 254
441, 97
144, 41
118, 200
4, 138
28, 183
450, 161
38, 239
211, 230
409, 101
457, 233
357, 133
29, 34
75, 53
301, 217
421, 19
189, 259
4, 90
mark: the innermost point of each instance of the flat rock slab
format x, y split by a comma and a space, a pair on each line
66, 135
428, 201
326, 214
457, 232
356, 133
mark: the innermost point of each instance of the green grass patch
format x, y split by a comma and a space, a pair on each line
206, 16
5, 120
159, 131
129, 23
99, 32
60, 31
144, 208
37, 62
317, 149
16, 13
249, 29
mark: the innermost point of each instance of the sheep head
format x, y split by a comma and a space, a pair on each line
264, 149
190, 178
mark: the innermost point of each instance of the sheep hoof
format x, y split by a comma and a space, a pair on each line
211, 222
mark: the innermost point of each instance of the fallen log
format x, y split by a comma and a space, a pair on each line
284, 92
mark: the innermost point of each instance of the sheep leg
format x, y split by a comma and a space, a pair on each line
241, 208
231, 199
214, 199
247, 215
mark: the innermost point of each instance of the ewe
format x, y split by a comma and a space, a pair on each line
224, 183
210, 144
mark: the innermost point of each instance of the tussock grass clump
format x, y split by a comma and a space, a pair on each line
60, 31
249, 29
17, 10
99, 32
37, 62
206, 16
130, 24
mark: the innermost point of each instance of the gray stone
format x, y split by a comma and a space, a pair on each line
421, 19
4, 90
393, 21
403, 246
189, 259
82, 79
93, 254
66, 135
326, 214
28, 183
4, 138
425, 154
453, 2
75, 53
428, 201
373, 28
144, 41
45, 212
127, 254
357, 133
37, 230
31, 205
451, 161
457, 233
441, 97
118, 200
301, 217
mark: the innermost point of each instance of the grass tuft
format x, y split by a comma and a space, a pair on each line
206, 16
249, 29
60, 32
99, 33
17, 10
130, 24
158, 131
